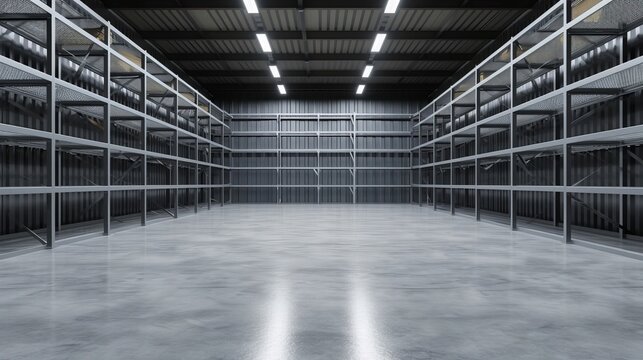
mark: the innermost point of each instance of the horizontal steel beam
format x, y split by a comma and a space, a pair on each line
23, 16
455, 57
319, 35
320, 87
315, 4
318, 73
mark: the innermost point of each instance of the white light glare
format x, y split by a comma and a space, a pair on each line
282, 89
367, 71
251, 6
379, 41
391, 6
275, 71
263, 41
360, 89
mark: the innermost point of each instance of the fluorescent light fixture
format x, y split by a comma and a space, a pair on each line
391, 6
282, 89
367, 71
379, 41
263, 41
360, 89
251, 6
275, 71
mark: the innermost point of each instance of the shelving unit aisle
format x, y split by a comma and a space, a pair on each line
95, 133
546, 133
321, 158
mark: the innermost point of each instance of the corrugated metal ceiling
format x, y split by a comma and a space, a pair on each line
241, 52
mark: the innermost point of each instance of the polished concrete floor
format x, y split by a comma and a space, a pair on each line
369, 282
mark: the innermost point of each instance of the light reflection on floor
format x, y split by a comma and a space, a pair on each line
276, 342
321, 282
366, 338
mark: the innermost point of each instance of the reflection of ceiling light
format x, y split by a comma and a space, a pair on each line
367, 71
504, 56
251, 6
263, 41
282, 89
594, 18
275, 71
391, 6
379, 41
360, 89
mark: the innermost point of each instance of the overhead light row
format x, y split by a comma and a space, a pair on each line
367, 71
263, 41
379, 41
251, 7
391, 8
377, 46
275, 71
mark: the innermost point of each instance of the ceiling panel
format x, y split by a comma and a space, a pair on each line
215, 41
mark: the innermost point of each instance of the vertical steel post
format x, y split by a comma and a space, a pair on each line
143, 140
318, 161
279, 160
210, 167
567, 120
107, 168
106, 194
144, 171
354, 121
175, 109
554, 195
223, 170
435, 177
51, 196
477, 153
513, 133
513, 210
196, 170
452, 171
51, 115
623, 156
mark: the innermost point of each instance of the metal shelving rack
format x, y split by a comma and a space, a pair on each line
546, 131
104, 126
302, 157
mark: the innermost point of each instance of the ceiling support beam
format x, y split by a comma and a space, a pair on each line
214, 57
310, 87
319, 35
317, 4
317, 73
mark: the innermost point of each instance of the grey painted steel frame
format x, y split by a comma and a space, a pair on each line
565, 142
352, 151
52, 191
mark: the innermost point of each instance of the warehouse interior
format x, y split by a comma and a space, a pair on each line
308, 179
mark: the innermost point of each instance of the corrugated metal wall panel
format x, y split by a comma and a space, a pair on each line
319, 106
290, 121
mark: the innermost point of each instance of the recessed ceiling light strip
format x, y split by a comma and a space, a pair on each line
263, 41
391, 6
251, 6
367, 71
275, 71
379, 41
